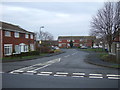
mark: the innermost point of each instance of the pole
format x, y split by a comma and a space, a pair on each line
40, 37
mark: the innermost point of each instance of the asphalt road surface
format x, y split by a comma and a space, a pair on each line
67, 70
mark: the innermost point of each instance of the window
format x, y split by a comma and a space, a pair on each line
8, 49
81, 45
60, 40
26, 36
60, 45
31, 36
73, 40
17, 49
7, 33
16, 34
68, 40
31, 47
25, 48
81, 39
68, 44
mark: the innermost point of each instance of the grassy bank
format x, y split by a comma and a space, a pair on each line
94, 49
102, 54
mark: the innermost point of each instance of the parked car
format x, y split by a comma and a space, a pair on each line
84, 47
54, 49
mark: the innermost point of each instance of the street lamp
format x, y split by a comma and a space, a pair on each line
40, 42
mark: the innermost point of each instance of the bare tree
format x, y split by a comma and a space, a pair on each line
41, 35
116, 17
106, 22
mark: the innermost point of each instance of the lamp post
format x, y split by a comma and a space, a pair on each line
40, 42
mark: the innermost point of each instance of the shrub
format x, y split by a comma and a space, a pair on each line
26, 54
57, 50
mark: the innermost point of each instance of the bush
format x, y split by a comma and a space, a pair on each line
26, 54
57, 50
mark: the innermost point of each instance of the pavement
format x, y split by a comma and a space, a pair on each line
93, 59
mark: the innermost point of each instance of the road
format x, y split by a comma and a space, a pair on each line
67, 70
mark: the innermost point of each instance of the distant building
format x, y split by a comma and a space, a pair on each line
78, 41
116, 43
14, 40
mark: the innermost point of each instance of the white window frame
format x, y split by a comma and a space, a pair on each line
16, 34
81, 44
26, 48
9, 50
7, 33
68, 44
81, 39
60, 44
17, 49
31, 36
32, 47
60, 40
68, 40
26, 35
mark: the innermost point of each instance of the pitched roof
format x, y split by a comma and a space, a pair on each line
8, 26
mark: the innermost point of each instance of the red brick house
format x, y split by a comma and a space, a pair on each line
14, 40
78, 41
115, 47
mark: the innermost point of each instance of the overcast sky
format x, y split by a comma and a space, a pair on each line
58, 18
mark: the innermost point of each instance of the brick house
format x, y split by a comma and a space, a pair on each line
14, 40
116, 42
78, 41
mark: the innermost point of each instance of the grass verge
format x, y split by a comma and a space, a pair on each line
11, 59
94, 49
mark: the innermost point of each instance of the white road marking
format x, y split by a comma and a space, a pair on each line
35, 68
46, 72
95, 77
43, 74
59, 75
32, 71
96, 74
113, 78
79, 73
112, 75
77, 76
28, 73
1, 72
42, 67
67, 56
17, 71
73, 53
